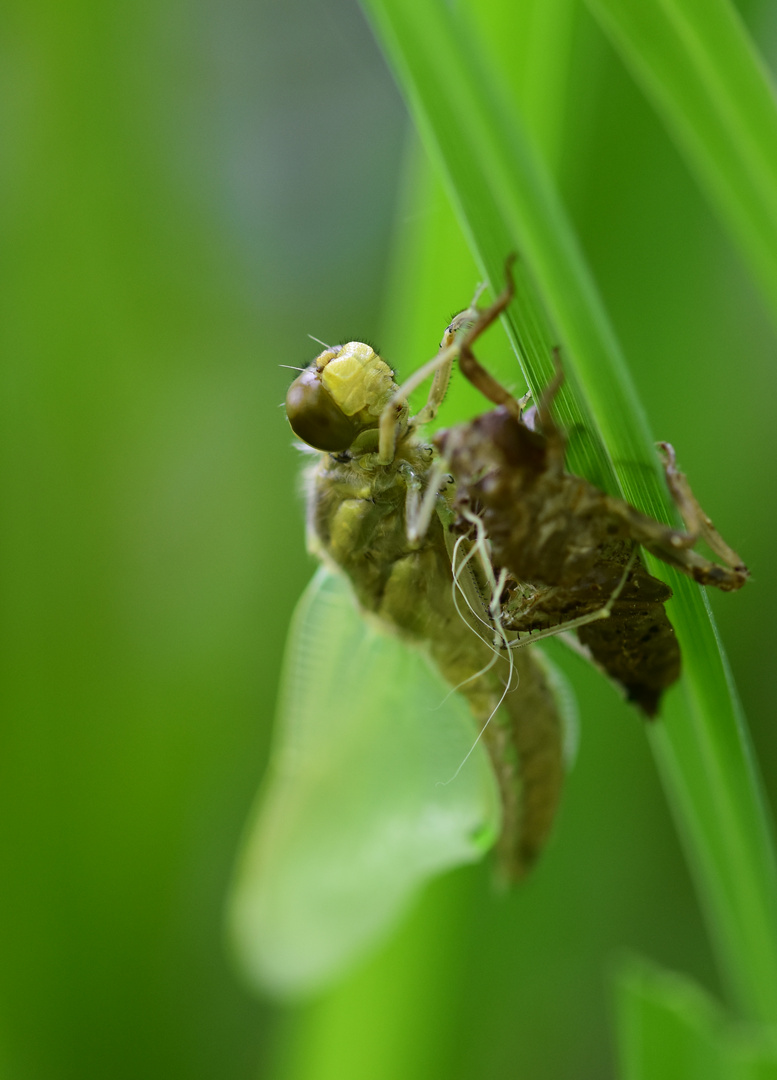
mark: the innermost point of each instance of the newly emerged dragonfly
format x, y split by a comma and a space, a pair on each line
456, 554
377, 782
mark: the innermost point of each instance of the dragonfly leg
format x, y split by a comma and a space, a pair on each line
496, 393
471, 367
696, 520
456, 342
448, 348
674, 546
421, 507
733, 573
440, 365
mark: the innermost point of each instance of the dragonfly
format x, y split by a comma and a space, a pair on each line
411, 738
440, 560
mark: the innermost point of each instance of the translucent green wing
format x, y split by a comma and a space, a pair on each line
355, 814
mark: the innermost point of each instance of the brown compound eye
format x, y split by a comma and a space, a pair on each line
315, 417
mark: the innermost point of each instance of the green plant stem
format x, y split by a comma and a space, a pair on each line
696, 63
505, 202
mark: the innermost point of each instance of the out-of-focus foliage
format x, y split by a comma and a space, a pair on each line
187, 191
668, 1029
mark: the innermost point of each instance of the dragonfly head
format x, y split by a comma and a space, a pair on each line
339, 396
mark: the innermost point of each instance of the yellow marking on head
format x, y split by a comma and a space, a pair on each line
358, 380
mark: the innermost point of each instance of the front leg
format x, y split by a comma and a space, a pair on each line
471, 368
440, 367
457, 341
442, 376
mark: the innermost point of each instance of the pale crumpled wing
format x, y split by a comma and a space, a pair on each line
355, 814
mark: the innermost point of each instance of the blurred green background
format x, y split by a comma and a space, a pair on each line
188, 190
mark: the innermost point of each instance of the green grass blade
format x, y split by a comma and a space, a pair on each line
505, 202
695, 61
538, 29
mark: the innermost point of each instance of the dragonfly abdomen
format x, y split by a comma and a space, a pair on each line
408, 586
